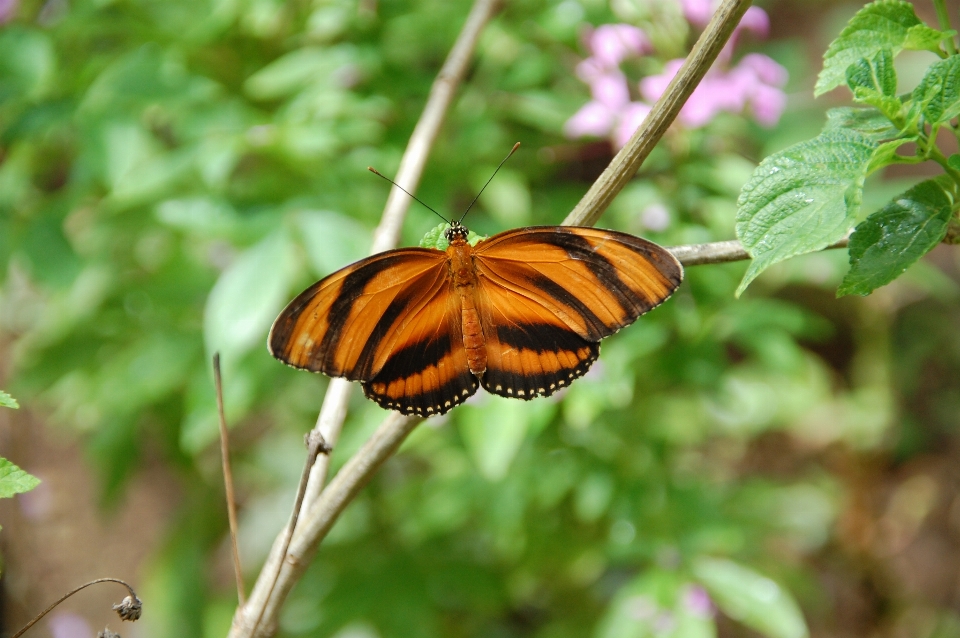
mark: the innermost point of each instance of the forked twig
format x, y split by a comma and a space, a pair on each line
228, 481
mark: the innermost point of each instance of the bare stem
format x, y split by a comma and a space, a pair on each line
626, 163
720, 252
46, 611
228, 482
316, 445
274, 581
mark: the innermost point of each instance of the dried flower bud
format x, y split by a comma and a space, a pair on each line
106, 633
129, 609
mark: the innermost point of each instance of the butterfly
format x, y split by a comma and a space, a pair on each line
520, 313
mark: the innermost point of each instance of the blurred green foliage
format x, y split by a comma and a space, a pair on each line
173, 172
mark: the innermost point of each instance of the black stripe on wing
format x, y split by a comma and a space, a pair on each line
424, 378
580, 249
536, 360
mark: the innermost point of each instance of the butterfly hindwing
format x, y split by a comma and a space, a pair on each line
425, 371
530, 350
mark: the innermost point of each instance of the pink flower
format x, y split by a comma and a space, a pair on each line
610, 112
697, 601
8, 10
754, 82
611, 44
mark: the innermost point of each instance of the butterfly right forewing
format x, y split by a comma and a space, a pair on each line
344, 324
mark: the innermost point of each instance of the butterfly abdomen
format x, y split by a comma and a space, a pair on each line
465, 283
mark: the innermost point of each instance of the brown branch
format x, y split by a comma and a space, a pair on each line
720, 252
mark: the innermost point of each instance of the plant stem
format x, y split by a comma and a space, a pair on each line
943, 17
937, 156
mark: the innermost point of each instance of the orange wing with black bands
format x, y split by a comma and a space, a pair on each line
391, 321
549, 294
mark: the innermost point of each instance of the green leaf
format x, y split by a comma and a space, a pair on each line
885, 24
920, 37
803, 198
247, 297
8, 401
939, 91
493, 435
751, 598
658, 603
300, 68
28, 63
895, 237
875, 74
13, 480
435, 238
332, 239
869, 122
874, 82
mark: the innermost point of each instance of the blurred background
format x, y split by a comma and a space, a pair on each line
172, 172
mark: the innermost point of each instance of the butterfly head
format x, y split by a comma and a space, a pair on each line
457, 233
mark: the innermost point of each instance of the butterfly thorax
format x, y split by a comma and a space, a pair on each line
463, 273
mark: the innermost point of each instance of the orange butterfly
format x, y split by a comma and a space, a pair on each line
520, 313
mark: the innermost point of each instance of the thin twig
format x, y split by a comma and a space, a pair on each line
316, 445
269, 592
228, 482
720, 252
627, 162
321, 515
46, 611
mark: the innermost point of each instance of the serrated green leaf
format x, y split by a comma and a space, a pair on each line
939, 91
954, 162
870, 122
435, 238
803, 198
885, 24
751, 598
873, 81
875, 74
920, 37
889, 241
13, 480
8, 401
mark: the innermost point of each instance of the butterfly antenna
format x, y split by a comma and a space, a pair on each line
379, 174
512, 151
